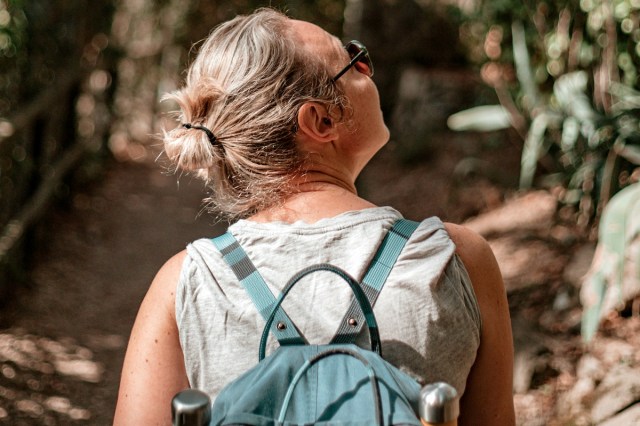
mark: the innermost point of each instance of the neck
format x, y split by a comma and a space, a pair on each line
313, 181
318, 196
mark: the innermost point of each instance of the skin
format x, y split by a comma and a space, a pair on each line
153, 370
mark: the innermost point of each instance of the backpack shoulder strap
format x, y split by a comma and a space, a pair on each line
232, 252
375, 277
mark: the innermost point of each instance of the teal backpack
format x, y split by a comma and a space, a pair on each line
337, 383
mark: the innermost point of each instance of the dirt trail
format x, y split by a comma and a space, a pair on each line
63, 340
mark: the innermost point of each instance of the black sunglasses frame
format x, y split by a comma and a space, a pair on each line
363, 52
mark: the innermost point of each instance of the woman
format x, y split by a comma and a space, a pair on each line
279, 119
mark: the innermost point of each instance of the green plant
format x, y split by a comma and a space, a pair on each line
565, 73
614, 277
13, 34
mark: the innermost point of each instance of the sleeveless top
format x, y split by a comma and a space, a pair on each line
427, 313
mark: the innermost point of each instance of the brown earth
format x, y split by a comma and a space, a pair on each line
62, 340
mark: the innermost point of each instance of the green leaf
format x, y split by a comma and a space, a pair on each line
523, 64
591, 314
630, 153
618, 227
532, 150
613, 225
480, 119
570, 133
570, 92
626, 97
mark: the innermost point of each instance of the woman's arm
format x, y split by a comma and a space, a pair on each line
488, 398
153, 370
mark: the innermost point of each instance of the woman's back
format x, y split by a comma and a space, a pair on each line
427, 312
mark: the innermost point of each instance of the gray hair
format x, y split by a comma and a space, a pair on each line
246, 85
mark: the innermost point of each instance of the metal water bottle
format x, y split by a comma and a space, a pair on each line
439, 405
191, 407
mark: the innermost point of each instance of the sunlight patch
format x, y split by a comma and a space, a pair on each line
30, 369
46, 356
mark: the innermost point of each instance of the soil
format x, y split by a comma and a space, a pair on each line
62, 340
64, 336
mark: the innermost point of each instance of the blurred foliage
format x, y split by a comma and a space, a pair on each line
44, 45
614, 277
565, 72
13, 35
141, 47
566, 76
328, 14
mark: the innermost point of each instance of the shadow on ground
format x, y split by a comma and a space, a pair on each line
63, 340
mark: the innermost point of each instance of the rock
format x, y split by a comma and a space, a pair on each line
514, 255
613, 352
590, 367
589, 371
528, 346
562, 301
523, 368
630, 416
619, 389
578, 265
573, 401
533, 409
531, 211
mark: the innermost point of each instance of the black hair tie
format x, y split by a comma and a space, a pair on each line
210, 135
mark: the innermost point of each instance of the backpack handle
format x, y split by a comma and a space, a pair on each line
331, 352
361, 297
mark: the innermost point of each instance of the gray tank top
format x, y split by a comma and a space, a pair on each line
427, 312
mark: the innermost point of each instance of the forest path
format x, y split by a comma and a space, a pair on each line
63, 339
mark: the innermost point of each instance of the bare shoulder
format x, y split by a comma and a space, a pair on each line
475, 253
467, 242
163, 287
483, 270
487, 399
171, 269
153, 369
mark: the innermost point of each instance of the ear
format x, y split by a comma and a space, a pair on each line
315, 122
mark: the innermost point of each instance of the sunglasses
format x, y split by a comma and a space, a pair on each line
360, 59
